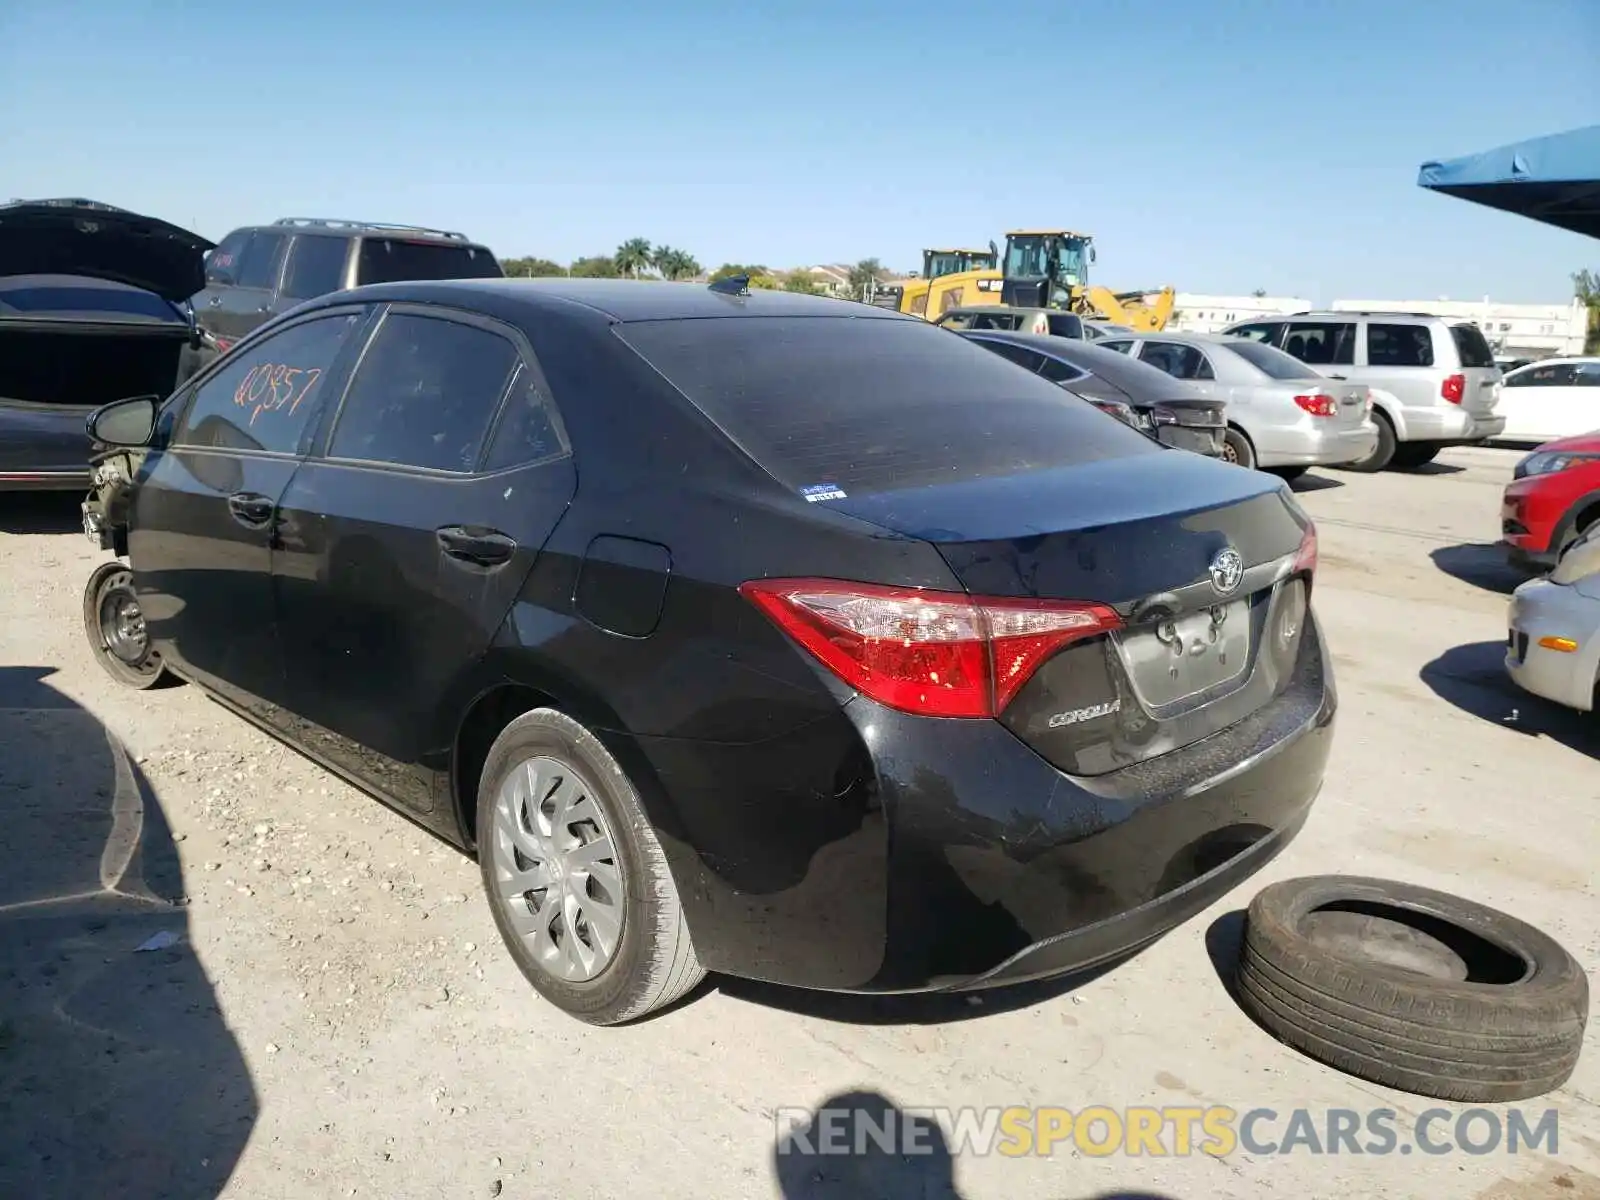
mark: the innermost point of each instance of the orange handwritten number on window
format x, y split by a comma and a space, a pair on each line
312, 375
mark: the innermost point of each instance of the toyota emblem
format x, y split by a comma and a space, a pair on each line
1227, 571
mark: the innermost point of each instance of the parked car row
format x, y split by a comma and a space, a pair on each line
98, 303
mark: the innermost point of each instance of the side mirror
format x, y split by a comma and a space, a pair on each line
127, 422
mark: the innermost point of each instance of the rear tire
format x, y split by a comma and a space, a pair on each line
1236, 448
1416, 454
575, 878
114, 625
1413, 988
1382, 455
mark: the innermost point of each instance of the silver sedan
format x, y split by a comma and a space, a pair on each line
1283, 415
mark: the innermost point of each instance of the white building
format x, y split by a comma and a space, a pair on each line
1195, 312
1514, 330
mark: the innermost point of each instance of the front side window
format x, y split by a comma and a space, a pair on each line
1322, 343
1399, 345
316, 266
266, 398
424, 394
222, 263
262, 258
1260, 331
1586, 375
1553, 375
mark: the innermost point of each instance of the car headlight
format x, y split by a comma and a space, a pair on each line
1547, 462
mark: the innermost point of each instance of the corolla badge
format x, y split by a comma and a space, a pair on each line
1227, 571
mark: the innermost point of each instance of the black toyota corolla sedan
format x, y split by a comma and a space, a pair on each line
762, 634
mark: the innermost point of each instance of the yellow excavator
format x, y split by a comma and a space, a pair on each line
1041, 269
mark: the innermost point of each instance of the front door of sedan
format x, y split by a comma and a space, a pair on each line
407, 540
205, 514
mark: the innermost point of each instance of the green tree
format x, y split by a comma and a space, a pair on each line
596, 266
1586, 286
767, 283
728, 270
674, 264
802, 281
531, 267
633, 257
866, 273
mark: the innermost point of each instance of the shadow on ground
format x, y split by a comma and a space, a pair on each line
917, 1008
861, 1146
42, 512
119, 1079
1314, 483
1482, 564
1473, 678
1428, 468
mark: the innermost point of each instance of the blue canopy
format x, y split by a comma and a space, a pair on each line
1553, 179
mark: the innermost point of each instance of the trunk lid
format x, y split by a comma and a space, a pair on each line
87, 238
1197, 556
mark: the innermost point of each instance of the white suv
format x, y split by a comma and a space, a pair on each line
1434, 382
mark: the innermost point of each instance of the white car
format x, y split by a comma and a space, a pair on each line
1553, 649
1550, 399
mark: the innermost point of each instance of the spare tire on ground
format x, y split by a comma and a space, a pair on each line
1413, 988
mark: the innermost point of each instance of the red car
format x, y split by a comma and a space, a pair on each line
1553, 497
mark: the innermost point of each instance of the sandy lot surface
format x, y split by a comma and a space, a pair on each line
325, 1011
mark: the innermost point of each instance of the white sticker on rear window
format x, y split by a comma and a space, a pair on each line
822, 491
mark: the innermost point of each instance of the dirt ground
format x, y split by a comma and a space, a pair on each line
322, 1008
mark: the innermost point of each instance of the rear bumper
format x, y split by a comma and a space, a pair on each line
1450, 423
1314, 447
915, 854
1541, 609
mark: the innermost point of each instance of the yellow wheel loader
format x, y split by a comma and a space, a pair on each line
1041, 269
939, 267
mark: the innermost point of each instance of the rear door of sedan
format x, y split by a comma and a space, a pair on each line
406, 538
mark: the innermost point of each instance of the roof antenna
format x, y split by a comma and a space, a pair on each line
732, 285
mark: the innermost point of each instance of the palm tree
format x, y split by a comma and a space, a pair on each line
674, 264
633, 256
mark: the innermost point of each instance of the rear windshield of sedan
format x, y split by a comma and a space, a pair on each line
873, 404
1273, 363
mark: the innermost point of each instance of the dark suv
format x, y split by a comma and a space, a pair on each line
753, 633
261, 270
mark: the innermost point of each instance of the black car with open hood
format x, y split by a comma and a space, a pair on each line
92, 309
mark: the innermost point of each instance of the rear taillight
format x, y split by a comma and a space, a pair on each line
1454, 388
1317, 404
935, 654
1305, 559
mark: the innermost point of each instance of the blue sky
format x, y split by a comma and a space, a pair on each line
1215, 146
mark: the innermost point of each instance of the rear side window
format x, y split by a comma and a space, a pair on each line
1179, 361
316, 266
1273, 363
527, 431
1057, 371
267, 397
1586, 375
1066, 325
391, 260
1322, 343
1399, 345
872, 404
1471, 346
1022, 357
424, 394
1121, 347
259, 264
